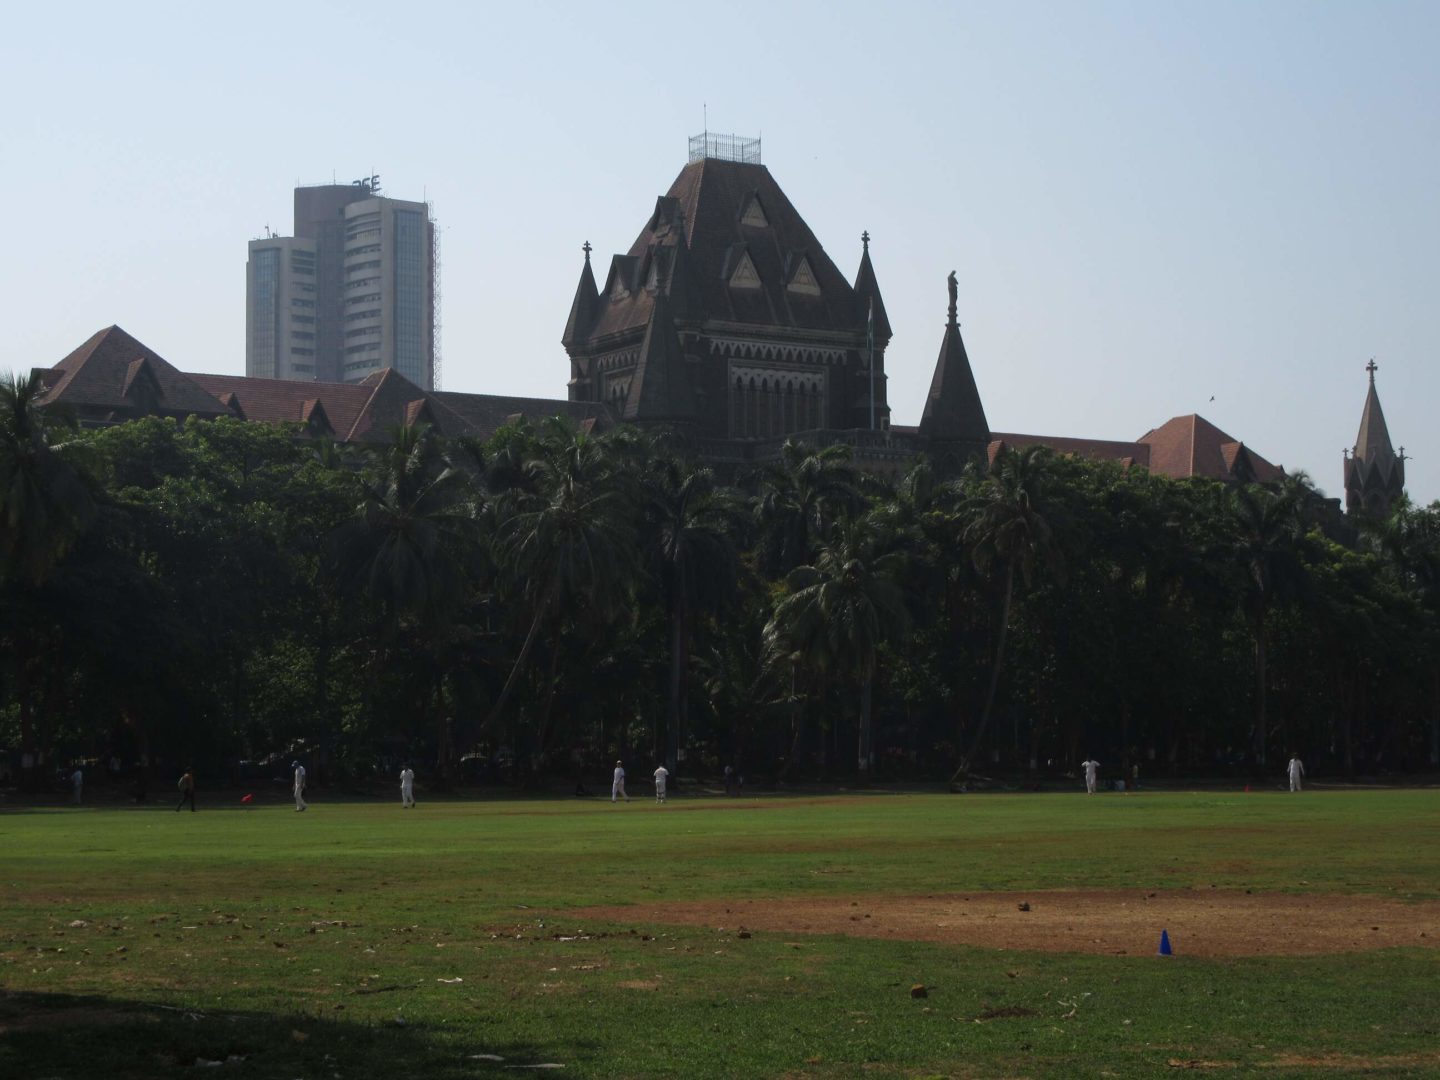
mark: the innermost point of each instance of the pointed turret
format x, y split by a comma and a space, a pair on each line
660, 390
867, 289
1374, 473
953, 412
584, 306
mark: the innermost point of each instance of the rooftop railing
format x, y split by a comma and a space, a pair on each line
739, 148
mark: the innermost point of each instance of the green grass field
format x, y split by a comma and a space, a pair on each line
319, 945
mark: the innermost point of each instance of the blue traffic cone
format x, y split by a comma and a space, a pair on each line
1164, 949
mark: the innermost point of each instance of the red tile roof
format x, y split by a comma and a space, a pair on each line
102, 372
1192, 446
275, 401
1126, 453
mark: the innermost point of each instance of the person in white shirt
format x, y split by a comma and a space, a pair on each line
1091, 768
299, 785
78, 779
617, 787
1296, 770
407, 787
661, 775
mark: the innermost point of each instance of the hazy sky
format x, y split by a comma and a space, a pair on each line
1146, 204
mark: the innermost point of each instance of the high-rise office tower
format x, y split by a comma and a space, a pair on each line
352, 292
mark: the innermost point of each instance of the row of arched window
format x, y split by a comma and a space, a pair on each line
761, 407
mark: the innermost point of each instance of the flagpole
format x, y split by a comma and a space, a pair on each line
870, 340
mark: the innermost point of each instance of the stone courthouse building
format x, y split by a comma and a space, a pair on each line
726, 321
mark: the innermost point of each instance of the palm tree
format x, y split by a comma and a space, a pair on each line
1009, 530
45, 508
407, 550
1409, 541
801, 496
45, 505
691, 525
404, 545
570, 541
838, 612
1267, 538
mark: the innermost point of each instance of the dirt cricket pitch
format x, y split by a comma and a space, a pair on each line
1200, 922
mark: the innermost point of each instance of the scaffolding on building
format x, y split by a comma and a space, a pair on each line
709, 144
434, 297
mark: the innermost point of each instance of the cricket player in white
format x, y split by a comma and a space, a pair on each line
1296, 771
661, 775
1091, 768
407, 787
299, 785
617, 786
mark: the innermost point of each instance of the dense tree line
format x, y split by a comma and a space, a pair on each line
549, 599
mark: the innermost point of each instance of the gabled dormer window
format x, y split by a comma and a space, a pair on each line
803, 281
754, 215
313, 416
744, 275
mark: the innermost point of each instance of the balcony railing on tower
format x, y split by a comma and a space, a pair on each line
709, 144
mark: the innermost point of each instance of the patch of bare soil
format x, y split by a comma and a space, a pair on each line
1212, 922
1421, 1064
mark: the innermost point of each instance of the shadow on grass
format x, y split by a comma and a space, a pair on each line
65, 1036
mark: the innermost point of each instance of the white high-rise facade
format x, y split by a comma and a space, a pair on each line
351, 293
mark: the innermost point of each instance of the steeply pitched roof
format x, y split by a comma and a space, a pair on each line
1372, 444
953, 409
660, 389
1374, 473
866, 288
104, 371
705, 210
1192, 446
582, 308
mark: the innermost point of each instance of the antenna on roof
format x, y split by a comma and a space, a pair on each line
704, 116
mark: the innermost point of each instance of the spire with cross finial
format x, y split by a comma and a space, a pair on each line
1374, 473
867, 296
585, 304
